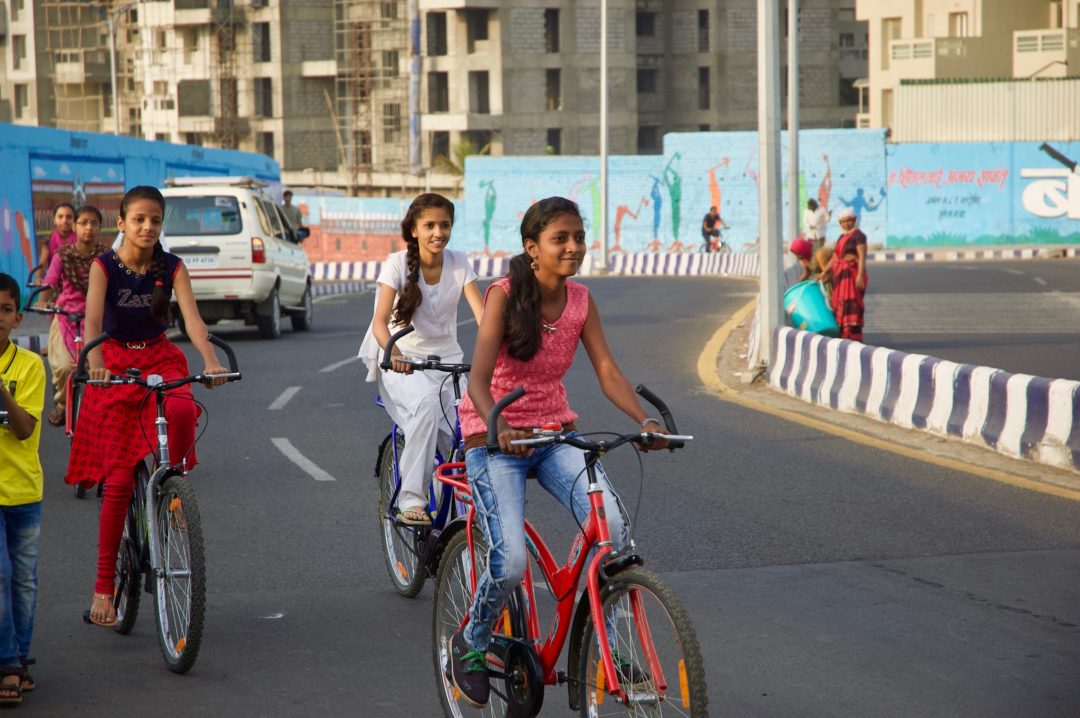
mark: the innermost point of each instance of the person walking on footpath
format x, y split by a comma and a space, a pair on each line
22, 397
816, 220
63, 233
68, 278
849, 277
292, 212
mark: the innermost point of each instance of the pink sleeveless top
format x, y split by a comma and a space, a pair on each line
545, 396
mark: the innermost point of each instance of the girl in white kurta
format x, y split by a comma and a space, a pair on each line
420, 286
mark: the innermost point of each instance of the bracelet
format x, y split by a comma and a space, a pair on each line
649, 420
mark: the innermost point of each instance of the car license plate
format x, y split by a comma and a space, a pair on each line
200, 260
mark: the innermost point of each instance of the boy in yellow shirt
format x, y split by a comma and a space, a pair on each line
22, 396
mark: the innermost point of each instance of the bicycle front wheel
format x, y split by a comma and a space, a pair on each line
400, 544
180, 588
654, 649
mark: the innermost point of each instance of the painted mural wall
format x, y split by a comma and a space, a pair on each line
656, 203
44, 166
986, 193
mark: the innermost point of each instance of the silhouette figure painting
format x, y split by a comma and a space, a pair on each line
861, 202
657, 205
673, 182
825, 188
621, 211
489, 211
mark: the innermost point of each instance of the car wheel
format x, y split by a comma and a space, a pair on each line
268, 316
301, 320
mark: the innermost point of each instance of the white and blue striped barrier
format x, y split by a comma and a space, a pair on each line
1015, 414
965, 255
689, 264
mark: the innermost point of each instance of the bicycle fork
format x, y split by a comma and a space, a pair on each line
637, 605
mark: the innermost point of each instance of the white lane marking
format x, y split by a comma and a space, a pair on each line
1040, 280
1015, 271
282, 400
285, 446
274, 616
338, 364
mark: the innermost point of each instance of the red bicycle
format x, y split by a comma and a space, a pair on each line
633, 649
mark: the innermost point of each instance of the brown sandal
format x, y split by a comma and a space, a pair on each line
11, 692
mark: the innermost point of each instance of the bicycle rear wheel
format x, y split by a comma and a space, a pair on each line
453, 596
400, 542
128, 586
180, 590
655, 650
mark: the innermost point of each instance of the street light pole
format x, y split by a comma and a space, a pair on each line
771, 220
111, 19
602, 219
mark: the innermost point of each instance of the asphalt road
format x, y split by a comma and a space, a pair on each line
824, 577
1021, 316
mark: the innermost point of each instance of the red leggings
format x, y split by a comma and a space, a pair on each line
120, 485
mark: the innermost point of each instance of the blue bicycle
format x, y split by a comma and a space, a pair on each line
412, 551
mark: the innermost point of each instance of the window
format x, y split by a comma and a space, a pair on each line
260, 41
849, 96
479, 101
264, 97
476, 22
22, 101
1055, 14
847, 39
958, 24
202, 216
440, 145
479, 139
106, 100
645, 23
890, 30
16, 8
703, 128
276, 227
161, 87
703, 31
18, 51
703, 88
436, 33
438, 91
160, 40
190, 37
391, 121
266, 143
646, 80
554, 90
192, 138
390, 63
554, 141
388, 9
161, 137
551, 30
648, 139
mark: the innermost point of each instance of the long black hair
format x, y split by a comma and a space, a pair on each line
522, 313
410, 298
160, 299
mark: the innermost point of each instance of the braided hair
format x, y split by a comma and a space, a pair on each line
160, 300
410, 297
522, 311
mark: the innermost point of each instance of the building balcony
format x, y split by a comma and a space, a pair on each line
862, 120
458, 5
1046, 53
318, 68
75, 67
928, 58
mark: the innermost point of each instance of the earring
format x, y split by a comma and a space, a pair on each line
533, 265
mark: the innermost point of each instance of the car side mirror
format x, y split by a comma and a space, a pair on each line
302, 233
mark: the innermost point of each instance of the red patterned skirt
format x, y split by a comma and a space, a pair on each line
115, 428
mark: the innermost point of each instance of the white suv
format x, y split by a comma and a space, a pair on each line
244, 258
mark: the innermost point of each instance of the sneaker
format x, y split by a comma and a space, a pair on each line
468, 671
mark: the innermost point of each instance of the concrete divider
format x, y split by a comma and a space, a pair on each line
1016, 414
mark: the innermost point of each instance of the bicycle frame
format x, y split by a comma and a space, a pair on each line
564, 580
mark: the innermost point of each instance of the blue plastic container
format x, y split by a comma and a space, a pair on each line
807, 309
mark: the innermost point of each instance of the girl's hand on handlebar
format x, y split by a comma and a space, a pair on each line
99, 374
399, 366
507, 435
654, 444
215, 369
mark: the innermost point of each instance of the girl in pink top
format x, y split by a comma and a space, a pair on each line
63, 233
532, 323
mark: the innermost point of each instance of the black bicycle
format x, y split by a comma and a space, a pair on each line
162, 543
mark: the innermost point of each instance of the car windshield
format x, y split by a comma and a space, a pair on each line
201, 216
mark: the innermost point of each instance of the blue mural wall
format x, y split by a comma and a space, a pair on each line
992, 193
656, 203
43, 166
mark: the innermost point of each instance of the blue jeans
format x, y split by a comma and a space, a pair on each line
19, 543
498, 491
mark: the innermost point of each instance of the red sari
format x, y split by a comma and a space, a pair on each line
847, 299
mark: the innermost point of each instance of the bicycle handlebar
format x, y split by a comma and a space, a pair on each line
232, 375
28, 306
675, 439
432, 362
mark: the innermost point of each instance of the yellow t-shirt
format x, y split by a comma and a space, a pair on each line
23, 372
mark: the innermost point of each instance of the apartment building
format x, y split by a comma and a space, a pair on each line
973, 69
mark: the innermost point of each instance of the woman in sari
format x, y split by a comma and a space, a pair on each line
849, 277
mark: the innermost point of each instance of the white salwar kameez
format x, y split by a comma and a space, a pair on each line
421, 403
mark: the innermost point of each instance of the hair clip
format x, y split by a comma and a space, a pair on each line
159, 283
